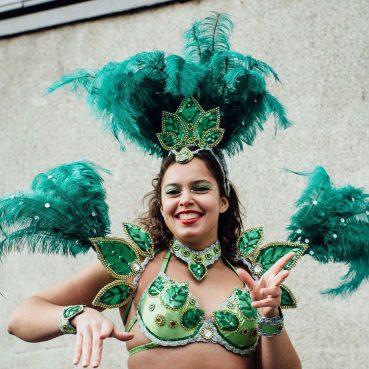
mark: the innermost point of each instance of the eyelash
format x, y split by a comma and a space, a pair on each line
200, 189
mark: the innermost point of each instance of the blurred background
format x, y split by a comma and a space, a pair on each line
320, 50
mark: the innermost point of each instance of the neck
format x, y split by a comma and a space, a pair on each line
196, 246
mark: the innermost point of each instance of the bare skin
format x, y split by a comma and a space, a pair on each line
188, 189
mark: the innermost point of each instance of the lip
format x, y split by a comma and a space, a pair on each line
188, 221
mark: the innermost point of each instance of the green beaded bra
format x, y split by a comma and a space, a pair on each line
168, 314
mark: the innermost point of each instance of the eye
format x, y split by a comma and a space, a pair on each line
172, 192
201, 188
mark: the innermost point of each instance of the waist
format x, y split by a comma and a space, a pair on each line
194, 356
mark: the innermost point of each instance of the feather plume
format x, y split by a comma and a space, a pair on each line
335, 223
129, 97
64, 207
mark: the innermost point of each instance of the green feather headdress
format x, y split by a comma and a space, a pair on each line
130, 96
335, 223
63, 208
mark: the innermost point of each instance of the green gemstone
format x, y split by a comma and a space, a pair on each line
116, 295
192, 317
118, 255
138, 236
70, 311
198, 270
244, 303
226, 321
156, 286
175, 296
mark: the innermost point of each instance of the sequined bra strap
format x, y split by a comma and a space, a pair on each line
165, 262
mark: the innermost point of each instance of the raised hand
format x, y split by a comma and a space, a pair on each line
266, 292
92, 328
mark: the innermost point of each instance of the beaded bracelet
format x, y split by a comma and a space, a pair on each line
270, 327
65, 315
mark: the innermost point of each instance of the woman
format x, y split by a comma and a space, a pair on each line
189, 203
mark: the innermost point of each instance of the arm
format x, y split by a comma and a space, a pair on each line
272, 352
36, 318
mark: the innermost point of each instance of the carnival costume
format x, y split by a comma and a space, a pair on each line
212, 100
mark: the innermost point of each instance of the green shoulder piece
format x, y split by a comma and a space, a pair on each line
260, 258
125, 260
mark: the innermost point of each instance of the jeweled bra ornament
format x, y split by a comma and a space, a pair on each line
197, 261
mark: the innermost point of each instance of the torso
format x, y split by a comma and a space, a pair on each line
210, 293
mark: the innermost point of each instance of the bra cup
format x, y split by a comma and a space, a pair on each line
170, 315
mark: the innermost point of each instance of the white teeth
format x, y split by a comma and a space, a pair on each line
187, 216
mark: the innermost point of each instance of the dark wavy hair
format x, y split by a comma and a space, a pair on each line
230, 222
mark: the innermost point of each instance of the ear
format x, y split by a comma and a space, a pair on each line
223, 205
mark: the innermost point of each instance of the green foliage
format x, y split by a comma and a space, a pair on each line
336, 223
64, 207
130, 96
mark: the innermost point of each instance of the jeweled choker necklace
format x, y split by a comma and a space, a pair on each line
197, 261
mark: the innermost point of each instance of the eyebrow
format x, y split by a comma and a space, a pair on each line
191, 183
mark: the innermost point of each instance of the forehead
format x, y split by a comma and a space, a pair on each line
193, 171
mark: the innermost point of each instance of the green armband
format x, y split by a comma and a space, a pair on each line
270, 327
66, 315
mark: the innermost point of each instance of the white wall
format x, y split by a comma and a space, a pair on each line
319, 48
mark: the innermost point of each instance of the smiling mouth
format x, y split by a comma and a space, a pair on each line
188, 216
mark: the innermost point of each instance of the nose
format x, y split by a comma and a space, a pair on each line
186, 199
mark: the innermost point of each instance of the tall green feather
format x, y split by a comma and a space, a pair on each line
130, 96
335, 223
63, 208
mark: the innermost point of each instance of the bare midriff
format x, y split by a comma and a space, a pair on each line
192, 356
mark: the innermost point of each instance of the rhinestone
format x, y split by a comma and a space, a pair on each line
258, 268
47, 205
186, 253
12, 196
334, 235
192, 301
299, 239
173, 324
352, 199
135, 267
207, 333
94, 231
208, 256
176, 247
253, 332
367, 212
160, 320
197, 258
49, 177
230, 305
93, 214
311, 252
255, 100
306, 240
36, 217
152, 307
244, 332
298, 231
315, 202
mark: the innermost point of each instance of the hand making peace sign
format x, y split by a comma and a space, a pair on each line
266, 292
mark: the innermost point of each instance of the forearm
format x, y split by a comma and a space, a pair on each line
277, 353
35, 320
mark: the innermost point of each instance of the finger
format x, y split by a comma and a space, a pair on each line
281, 263
273, 291
268, 302
280, 277
78, 349
86, 348
106, 331
246, 278
97, 346
121, 336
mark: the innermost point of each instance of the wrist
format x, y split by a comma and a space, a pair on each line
66, 315
270, 313
270, 326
